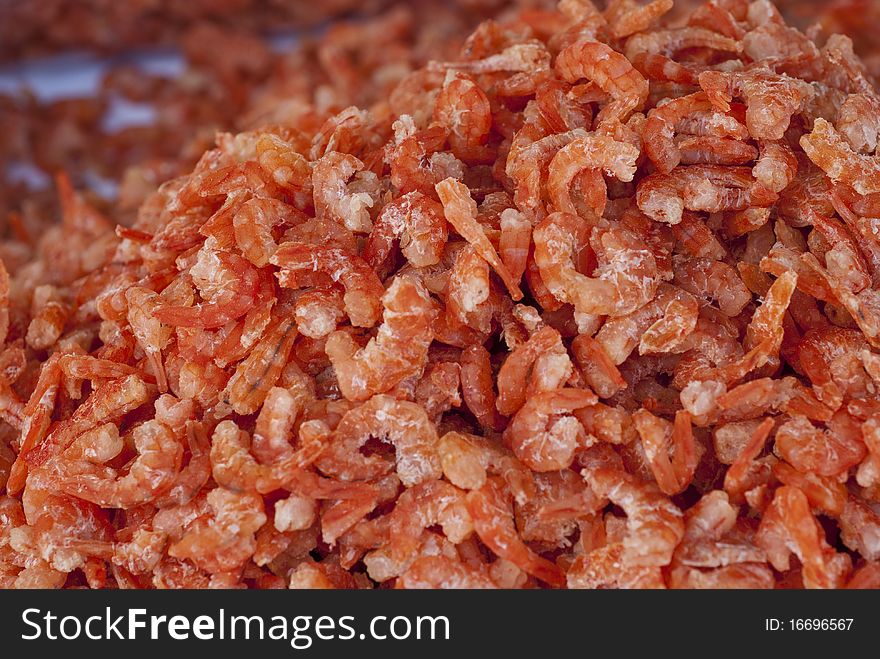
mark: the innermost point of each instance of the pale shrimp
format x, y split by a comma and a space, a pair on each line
543, 434
468, 460
464, 110
777, 166
468, 290
771, 99
399, 349
430, 572
49, 315
788, 526
654, 525
224, 539
669, 42
461, 212
627, 17
275, 422
152, 336
596, 366
619, 336
858, 122
477, 387
433, 502
514, 242
333, 197
160, 454
746, 472
603, 567
319, 311
418, 162
661, 125
112, 399
228, 284
525, 57
195, 473
833, 155
659, 440
592, 153
668, 333
363, 290
253, 224
492, 514
608, 69
714, 281
626, 277
711, 188
415, 220
539, 364
404, 425
827, 452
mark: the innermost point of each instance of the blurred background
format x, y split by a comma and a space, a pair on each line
122, 95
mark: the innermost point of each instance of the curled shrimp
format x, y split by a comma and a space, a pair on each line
418, 222
626, 277
399, 349
658, 437
541, 364
492, 513
468, 290
714, 280
542, 436
787, 527
610, 71
430, 572
669, 42
593, 152
333, 197
827, 453
464, 110
712, 188
858, 122
777, 166
363, 290
461, 212
654, 524
159, 458
224, 539
405, 425
259, 371
627, 17
833, 155
319, 311
152, 336
253, 223
229, 285
771, 99
418, 162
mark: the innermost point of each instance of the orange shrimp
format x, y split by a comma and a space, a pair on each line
363, 290
418, 222
675, 475
492, 514
403, 424
594, 152
230, 288
159, 459
833, 155
464, 110
540, 434
461, 212
610, 71
334, 198
399, 349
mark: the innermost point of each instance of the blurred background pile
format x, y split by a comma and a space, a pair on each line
124, 95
